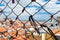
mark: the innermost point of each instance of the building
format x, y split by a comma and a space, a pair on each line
58, 18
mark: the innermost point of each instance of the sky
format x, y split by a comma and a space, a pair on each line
53, 6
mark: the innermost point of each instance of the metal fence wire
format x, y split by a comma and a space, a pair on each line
17, 17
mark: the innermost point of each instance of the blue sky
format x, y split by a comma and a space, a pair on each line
53, 6
2, 5
45, 0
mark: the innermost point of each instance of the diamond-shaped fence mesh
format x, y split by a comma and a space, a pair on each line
29, 19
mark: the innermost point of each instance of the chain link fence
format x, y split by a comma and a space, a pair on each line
14, 17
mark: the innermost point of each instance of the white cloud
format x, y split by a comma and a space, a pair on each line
51, 6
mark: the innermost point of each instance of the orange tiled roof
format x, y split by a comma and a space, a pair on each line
56, 31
